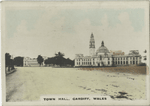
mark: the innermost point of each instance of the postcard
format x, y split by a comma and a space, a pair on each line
75, 53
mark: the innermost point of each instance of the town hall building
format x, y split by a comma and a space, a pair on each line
104, 57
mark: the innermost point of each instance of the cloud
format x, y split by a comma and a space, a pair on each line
49, 35
120, 37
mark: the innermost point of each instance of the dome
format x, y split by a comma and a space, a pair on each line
102, 49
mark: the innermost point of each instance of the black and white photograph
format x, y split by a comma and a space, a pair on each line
75, 53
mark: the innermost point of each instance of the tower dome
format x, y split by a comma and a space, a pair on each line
102, 49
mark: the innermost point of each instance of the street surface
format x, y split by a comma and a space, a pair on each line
29, 83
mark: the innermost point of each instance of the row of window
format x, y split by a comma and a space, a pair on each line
88, 63
122, 58
119, 62
126, 62
85, 59
90, 59
85, 63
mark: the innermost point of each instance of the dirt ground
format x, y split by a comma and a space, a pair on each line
29, 83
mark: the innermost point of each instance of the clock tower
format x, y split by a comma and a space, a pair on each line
92, 45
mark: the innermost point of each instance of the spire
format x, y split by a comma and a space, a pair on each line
102, 43
92, 41
92, 35
92, 45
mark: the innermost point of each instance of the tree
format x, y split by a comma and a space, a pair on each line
46, 62
12, 64
18, 61
59, 58
59, 54
7, 61
40, 59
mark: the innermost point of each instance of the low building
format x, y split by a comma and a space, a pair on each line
104, 57
32, 62
27, 61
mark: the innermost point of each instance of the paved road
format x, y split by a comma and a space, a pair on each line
29, 83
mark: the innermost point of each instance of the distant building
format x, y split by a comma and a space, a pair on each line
31, 62
104, 57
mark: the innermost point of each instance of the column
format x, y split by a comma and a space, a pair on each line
135, 60
132, 60
111, 60
92, 61
129, 60
75, 62
81, 62
138, 60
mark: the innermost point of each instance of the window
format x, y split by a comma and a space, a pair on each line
130, 62
136, 62
116, 62
108, 62
77, 63
108, 58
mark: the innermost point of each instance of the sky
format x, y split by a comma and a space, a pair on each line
46, 31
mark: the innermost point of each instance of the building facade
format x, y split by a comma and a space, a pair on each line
104, 57
32, 62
